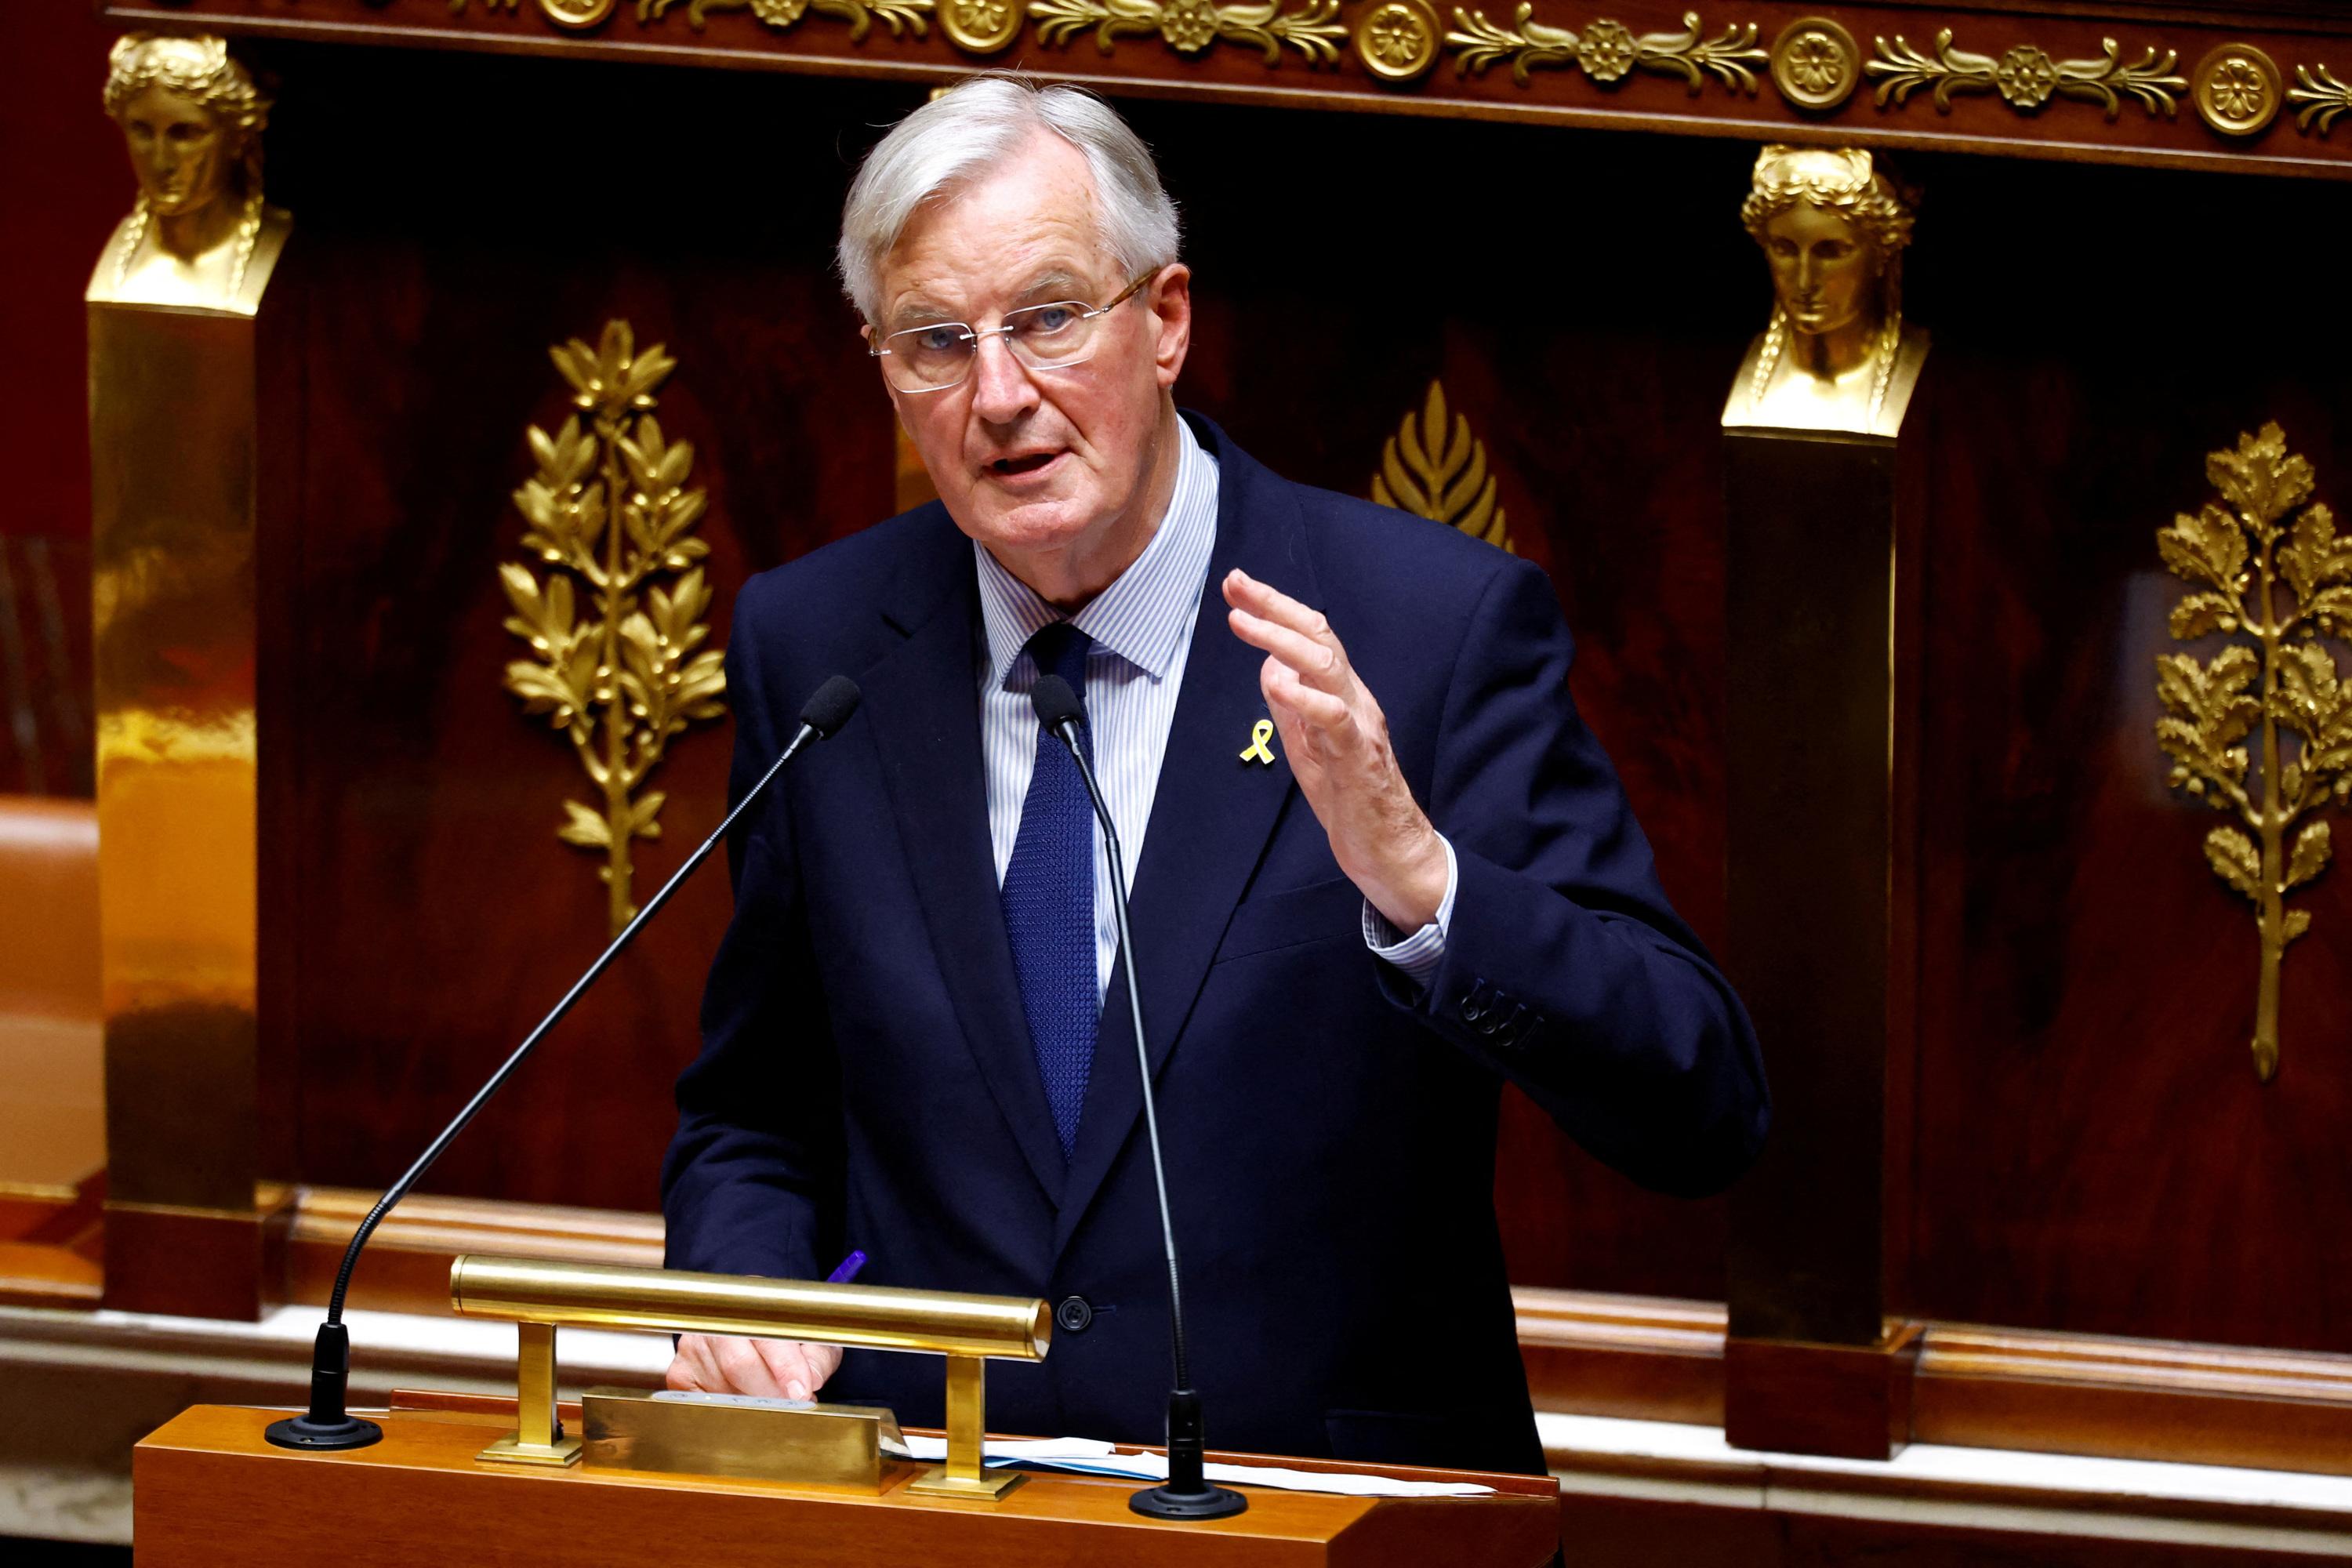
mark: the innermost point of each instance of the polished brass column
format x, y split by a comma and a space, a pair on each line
178, 343
1815, 480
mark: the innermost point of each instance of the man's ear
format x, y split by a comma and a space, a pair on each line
1170, 299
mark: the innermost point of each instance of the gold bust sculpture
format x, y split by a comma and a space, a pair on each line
199, 235
1837, 356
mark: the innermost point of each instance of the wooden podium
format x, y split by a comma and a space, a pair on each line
207, 1490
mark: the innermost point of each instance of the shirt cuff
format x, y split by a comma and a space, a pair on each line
1417, 956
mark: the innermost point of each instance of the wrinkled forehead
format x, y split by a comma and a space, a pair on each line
1021, 231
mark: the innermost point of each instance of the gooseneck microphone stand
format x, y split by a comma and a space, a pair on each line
328, 1424
1187, 1494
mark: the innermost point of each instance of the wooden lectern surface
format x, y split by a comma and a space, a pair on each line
209, 1489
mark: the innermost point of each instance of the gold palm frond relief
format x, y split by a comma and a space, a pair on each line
1439, 472
626, 680
2278, 688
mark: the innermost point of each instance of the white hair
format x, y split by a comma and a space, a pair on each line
961, 134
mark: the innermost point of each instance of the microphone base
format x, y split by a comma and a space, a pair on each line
323, 1436
1209, 1502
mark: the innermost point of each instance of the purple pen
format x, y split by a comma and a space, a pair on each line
846, 1269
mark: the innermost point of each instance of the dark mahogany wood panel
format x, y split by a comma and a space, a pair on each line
69, 185
2093, 1152
435, 915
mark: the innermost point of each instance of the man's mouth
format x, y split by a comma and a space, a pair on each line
1025, 463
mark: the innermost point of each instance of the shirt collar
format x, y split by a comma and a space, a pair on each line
1148, 609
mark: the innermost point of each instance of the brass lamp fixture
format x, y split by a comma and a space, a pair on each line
538, 1297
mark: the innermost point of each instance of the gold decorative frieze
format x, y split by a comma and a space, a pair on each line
1398, 39
1188, 26
2236, 88
609, 509
979, 26
1816, 63
576, 15
2026, 76
1606, 52
2319, 100
2277, 678
902, 16
1441, 474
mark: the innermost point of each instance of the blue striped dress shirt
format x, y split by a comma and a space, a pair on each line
1141, 628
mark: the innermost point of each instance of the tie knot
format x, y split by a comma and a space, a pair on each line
1058, 648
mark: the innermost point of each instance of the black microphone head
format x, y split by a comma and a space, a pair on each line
830, 709
1055, 703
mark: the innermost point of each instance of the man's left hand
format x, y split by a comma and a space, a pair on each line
1336, 740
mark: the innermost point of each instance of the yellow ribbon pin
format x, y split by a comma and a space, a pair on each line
1260, 734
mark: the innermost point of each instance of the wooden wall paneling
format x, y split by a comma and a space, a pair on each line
438, 914
71, 184
2094, 1152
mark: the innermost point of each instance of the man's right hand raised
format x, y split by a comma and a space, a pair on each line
771, 1369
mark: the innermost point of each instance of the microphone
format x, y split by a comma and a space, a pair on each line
1187, 1494
328, 1424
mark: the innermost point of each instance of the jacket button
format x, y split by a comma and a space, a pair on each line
1073, 1314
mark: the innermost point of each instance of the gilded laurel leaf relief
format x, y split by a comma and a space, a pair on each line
2320, 98
609, 511
1188, 26
1439, 472
2280, 585
901, 16
2026, 76
1607, 51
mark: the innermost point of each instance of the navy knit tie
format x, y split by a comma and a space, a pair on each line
1049, 899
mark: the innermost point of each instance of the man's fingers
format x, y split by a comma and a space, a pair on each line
690, 1368
771, 1369
1245, 592
1283, 688
1322, 663
792, 1367
743, 1369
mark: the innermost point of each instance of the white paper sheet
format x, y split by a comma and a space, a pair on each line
1088, 1456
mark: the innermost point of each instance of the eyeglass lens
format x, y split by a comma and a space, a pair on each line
1043, 337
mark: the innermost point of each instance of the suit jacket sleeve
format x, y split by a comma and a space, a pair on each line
1565, 968
750, 1184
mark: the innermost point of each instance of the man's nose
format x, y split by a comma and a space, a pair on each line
1001, 390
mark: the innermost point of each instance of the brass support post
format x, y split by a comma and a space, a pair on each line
963, 1475
538, 1437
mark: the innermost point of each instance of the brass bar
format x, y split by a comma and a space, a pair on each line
754, 1440
967, 1399
532, 1290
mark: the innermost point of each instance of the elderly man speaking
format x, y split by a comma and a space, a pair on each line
1379, 867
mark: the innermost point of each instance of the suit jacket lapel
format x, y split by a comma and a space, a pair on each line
1211, 815
921, 700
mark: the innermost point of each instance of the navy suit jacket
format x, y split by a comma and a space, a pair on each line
866, 1080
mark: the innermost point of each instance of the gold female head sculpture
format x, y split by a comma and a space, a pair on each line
192, 119
1832, 227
